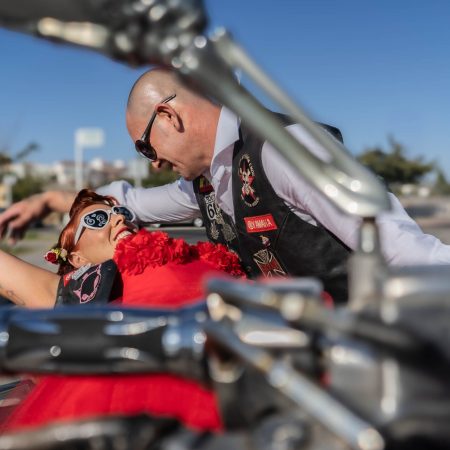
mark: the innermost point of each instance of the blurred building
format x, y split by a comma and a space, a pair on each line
98, 172
61, 174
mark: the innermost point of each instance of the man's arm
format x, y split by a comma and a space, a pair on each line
18, 217
403, 243
168, 203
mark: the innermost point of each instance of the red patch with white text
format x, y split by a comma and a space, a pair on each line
258, 224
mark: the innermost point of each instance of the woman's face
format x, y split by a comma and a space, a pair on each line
98, 245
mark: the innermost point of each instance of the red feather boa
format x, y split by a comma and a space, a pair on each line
134, 253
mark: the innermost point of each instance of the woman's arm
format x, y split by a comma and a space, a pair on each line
168, 203
25, 284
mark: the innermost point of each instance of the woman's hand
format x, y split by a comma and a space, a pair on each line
18, 217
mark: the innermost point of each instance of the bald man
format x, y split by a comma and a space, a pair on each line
184, 136
250, 198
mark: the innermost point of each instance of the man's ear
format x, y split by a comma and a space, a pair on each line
77, 260
165, 110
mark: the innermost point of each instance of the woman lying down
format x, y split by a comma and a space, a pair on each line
136, 268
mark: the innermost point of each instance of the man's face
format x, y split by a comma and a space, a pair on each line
174, 147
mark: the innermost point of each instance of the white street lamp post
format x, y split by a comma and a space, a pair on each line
9, 181
85, 137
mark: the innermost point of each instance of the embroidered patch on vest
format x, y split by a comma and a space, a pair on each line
210, 203
204, 185
215, 217
247, 176
228, 232
257, 224
268, 264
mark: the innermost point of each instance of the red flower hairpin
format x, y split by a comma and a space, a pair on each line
56, 255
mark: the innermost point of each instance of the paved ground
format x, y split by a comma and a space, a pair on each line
35, 245
432, 214
441, 231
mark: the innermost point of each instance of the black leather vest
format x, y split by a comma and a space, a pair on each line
271, 239
93, 285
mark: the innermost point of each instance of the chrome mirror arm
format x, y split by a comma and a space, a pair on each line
347, 184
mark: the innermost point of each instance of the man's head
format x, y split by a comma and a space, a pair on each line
184, 127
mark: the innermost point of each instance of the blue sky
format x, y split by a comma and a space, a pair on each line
372, 68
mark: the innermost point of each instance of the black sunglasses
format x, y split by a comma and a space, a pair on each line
142, 145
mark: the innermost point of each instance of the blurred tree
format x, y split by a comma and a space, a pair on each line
22, 154
159, 177
441, 185
393, 165
6, 159
29, 184
26, 186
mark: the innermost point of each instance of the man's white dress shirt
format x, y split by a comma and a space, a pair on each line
403, 242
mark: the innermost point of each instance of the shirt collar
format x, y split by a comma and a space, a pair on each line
227, 133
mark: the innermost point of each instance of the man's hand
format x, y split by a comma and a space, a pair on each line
18, 217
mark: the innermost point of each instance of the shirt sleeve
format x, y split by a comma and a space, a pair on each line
168, 203
403, 243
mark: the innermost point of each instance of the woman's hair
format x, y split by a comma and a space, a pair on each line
85, 198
